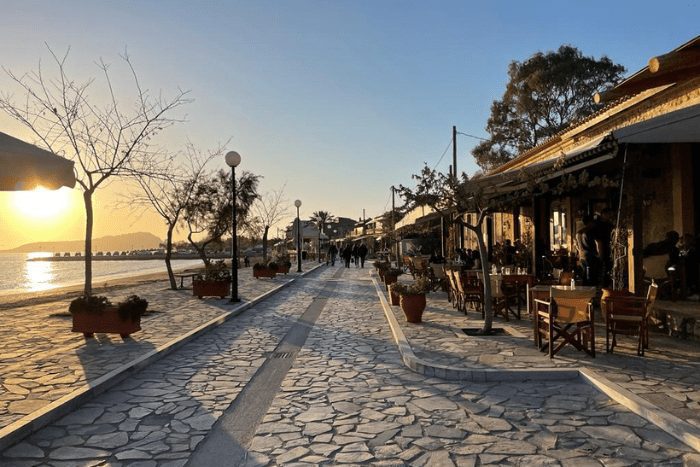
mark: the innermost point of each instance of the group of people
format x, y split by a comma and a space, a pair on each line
355, 253
682, 255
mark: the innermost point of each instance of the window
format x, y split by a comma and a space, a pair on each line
557, 228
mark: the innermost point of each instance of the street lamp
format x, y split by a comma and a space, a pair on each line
297, 203
320, 230
232, 160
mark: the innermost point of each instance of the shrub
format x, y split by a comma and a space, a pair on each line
216, 271
132, 308
418, 287
89, 304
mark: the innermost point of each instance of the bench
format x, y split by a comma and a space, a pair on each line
183, 275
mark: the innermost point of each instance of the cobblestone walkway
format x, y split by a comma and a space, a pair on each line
347, 399
41, 360
668, 376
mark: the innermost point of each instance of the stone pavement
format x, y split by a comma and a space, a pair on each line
43, 362
347, 399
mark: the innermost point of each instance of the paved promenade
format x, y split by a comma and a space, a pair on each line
327, 384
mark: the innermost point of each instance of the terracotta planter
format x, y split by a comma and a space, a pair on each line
394, 298
107, 321
413, 307
204, 288
390, 279
264, 272
283, 269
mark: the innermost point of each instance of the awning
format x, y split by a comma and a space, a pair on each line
413, 216
24, 166
680, 126
578, 158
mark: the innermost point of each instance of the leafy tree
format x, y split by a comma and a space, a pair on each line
544, 95
452, 197
208, 212
107, 140
321, 218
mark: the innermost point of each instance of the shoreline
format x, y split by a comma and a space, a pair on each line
21, 299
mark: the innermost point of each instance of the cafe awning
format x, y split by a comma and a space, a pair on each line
24, 166
680, 126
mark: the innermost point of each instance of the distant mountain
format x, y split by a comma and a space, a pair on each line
131, 241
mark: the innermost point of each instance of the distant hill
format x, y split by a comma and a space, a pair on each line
131, 241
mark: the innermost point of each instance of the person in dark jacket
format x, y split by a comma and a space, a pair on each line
356, 255
332, 252
362, 253
347, 255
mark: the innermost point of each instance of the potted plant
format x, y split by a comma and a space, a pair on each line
391, 275
412, 298
95, 313
394, 298
283, 265
264, 270
215, 282
381, 267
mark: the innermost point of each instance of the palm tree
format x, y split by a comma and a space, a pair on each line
320, 218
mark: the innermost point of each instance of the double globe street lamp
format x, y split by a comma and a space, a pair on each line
232, 160
297, 203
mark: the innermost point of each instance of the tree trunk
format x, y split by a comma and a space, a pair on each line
201, 250
168, 255
488, 306
264, 240
87, 198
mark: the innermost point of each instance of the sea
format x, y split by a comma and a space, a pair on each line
17, 275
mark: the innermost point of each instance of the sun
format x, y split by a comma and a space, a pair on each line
41, 203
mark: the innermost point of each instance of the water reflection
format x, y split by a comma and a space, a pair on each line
38, 275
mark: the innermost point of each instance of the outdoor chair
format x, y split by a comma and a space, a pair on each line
438, 278
514, 286
567, 318
472, 290
656, 272
453, 294
629, 315
500, 301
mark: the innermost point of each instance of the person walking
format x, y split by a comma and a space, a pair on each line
347, 255
362, 253
356, 255
332, 251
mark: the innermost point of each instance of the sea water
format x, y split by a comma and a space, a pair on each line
17, 275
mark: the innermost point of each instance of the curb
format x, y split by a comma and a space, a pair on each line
20, 429
674, 426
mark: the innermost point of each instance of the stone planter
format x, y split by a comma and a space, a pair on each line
205, 288
394, 298
413, 307
264, 272
106, 321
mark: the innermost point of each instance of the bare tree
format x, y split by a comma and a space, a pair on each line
268, 210
104, 140
170, 192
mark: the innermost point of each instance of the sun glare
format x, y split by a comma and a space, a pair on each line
41, 203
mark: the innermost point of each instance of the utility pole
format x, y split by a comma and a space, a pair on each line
454, 152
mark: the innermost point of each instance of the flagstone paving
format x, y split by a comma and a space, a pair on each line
668, 375
347, 399
42, 361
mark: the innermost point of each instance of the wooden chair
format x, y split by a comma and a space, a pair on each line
515, 287
472, 290
499, 300
454, 294
438, 278
567, 318
629, 315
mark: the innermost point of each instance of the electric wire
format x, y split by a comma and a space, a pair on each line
449, 145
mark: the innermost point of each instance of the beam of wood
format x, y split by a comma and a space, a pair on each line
675, 61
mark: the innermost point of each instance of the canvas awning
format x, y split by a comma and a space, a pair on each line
417, 215
680, 126
24, 166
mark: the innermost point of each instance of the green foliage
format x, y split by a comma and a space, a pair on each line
132, 308
89, 304
216, 271
544, 95
418, 287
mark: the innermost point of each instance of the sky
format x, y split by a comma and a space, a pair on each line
334, 100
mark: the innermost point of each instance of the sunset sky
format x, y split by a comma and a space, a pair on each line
337, 99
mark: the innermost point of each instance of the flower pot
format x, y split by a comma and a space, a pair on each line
106, 321
205, 288
394, 298
390, 278
413, 307
380, 271
283, 269
264, 272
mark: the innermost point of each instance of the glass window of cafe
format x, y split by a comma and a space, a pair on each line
557, 227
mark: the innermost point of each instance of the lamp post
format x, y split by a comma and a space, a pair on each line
232, 160
320, 231
297, 203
